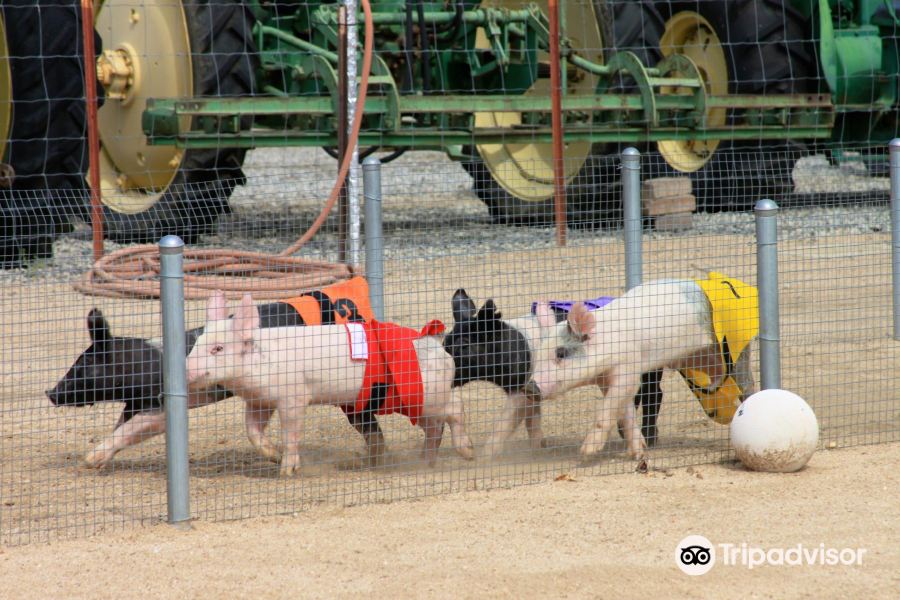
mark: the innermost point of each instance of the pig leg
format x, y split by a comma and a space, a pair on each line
367, 425
434, 433
127, 433
292, 412
621, 388
650, 398
513, 413
633, 438
743, 374
256, 418
456, 418
533, 422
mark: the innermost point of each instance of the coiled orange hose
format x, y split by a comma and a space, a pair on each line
134, 272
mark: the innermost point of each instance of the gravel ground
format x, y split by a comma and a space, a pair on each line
286, 189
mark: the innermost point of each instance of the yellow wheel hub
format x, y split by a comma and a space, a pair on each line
146, 54
526, 170
6, 91
690, 34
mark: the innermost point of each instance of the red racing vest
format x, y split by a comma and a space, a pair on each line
392, 382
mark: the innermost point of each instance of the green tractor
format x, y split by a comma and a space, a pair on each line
730, 91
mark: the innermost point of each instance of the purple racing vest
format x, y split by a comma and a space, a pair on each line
565, 306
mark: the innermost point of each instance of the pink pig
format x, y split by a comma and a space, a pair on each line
659, 324
289, 368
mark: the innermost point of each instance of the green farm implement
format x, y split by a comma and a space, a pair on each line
190, 86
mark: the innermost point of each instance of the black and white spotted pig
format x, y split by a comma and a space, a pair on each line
486, 347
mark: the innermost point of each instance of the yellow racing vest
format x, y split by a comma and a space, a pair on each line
735, 318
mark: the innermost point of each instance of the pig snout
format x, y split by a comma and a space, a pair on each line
67, 393
199, 372
196, 375
54, 395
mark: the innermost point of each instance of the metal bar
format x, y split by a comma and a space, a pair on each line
894, 147
465, 103
435, 139
352, 96
631, 201
342, 125
374, 234
295, 41
472, 17
90, 86
767, 280
171, 274
587, 65
559, 175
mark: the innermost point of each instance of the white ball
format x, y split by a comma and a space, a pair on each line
774, 430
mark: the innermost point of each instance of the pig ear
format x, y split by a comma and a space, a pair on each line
581, 321
98, 327
215, 307
545, 315
463, 307
488, 312
246, 319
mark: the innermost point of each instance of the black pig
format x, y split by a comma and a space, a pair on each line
486, 347
129, 370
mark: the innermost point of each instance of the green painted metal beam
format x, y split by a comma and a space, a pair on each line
438, 139
468, 104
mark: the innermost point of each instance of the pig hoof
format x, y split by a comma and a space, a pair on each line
96, 460
593, 443
289, 469
588, 449
638, 456
270, 452
467, 452
639, 453
274, 457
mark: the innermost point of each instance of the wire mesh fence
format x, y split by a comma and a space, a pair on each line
90, 459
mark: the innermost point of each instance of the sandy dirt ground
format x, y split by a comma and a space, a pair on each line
463, 529
588, 537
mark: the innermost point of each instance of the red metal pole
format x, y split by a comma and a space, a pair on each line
559, 177
90, 87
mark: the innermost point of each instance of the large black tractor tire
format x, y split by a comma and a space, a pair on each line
593, 195
768, 48
47, 147
224, 59
637, 26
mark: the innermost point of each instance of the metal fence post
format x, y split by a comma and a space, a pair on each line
633, 225
374, 234
767, 280
171, 258
352, 184
895, 232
